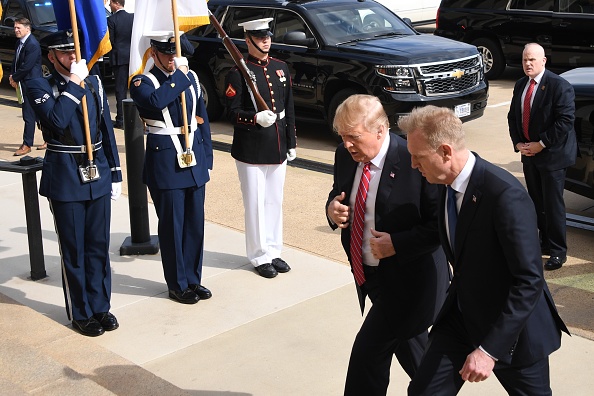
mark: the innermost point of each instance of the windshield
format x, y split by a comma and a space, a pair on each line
42, 12
359, 21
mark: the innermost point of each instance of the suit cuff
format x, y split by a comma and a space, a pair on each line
488, 354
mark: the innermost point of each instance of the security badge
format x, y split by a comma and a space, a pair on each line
281, 75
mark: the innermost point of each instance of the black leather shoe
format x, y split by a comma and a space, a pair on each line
280, 265
266, 270
118, 124
107, 320
201, 291
554, 262
88, 327
185, 297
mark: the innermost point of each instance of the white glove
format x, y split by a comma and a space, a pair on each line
181, 61
265, 118
116, 190
291, 154
80, 69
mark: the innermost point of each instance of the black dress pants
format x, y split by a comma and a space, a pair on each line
371, 357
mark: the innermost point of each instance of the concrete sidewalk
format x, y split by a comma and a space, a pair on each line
287, 336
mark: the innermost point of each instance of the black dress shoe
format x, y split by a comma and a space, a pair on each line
554, 262
266, 270
185, 297
88, 327
280, 265
107, 320
201, 291
118, 124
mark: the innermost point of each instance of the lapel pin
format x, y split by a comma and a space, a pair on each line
392, 175
542, 88
474, 198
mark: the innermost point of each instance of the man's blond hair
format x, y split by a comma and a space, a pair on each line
439, 125
359, 109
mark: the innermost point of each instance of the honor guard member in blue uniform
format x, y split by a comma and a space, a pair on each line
81, 205
262, 142
177, 188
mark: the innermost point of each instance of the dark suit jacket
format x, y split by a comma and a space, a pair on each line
498, 279
551, 120
120, 35
62, 122
414, 280
28, 65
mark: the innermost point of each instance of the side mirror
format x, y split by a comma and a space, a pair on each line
9, 22
299, 38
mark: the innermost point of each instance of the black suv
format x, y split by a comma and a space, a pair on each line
43, 22
501, 28
335, 48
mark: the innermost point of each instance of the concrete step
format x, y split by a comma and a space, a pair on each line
41, 356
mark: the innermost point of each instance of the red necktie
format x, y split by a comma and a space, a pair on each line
357, 226
526, 113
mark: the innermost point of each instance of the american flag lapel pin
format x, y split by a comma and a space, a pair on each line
474, 199
392, 175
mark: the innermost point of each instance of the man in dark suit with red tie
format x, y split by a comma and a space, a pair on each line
499, 316
26, 66
541, 126
120, 35
388, 216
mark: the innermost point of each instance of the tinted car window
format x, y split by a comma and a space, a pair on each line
533, 5
240, 15
14, 10
42, 12
288, 22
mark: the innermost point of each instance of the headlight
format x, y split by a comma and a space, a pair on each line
399, 78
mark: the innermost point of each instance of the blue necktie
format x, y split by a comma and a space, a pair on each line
452, 216
18, 51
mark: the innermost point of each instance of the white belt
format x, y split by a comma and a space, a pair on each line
164, 131
280, 115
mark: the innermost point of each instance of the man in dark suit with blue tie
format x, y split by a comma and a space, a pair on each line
80, 203
499, 316
120, 35
177, 183
26, 65
397, 260
541, 126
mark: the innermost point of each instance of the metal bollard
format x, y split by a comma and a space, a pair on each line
140, 241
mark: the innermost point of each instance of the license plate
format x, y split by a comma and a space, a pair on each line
462, 110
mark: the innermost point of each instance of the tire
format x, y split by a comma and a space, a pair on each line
334, 103
493, 59
211, 98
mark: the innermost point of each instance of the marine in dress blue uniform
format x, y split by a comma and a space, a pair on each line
81, 209
262, 143
177, 191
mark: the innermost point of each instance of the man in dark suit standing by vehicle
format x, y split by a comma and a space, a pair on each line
392, 243
541, 118
26, 65
120, 35
499, 316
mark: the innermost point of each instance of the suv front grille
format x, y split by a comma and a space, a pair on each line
445, 78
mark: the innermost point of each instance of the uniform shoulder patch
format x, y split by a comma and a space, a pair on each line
230, 91
136, 81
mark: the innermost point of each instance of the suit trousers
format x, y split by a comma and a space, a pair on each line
121, 88
83, 237
181, 234
449, 345
546, 190
29, 118
371, 357
262, 191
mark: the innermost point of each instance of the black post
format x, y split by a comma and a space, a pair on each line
140, 241
33, 226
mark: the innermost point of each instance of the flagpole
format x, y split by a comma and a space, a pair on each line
91, 169
187, 157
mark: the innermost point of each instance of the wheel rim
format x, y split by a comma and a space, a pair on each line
487, 58
204, 94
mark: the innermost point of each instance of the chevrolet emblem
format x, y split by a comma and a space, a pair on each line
457, 74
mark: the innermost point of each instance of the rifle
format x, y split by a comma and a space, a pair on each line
247, 74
